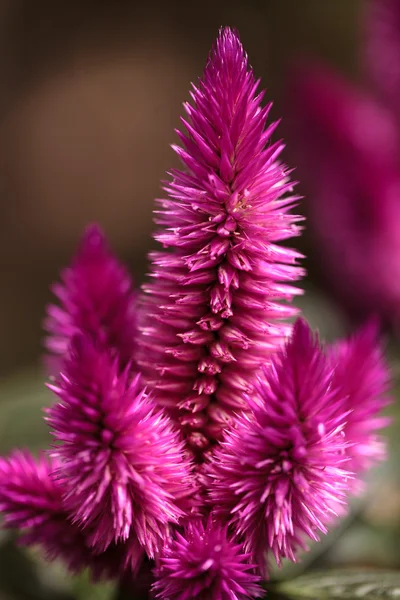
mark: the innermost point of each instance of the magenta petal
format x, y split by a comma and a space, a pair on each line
348, 146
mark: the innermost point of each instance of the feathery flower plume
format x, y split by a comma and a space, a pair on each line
120, 458
31, 500
212, 314
280, 475
96, 297
204, 563
362, 378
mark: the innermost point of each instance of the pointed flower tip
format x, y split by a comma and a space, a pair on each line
92, 239
228, 44
303, 338
229, 36
301, 327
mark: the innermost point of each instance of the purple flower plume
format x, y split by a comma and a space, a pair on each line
96, 297
362, 378
281, 475
204, 563
31, 500
212, 313
119, 456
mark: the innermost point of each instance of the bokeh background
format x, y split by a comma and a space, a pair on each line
90, 93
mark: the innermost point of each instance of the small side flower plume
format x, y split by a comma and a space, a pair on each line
96, 297
362, 379
31, 501
213, 312
204, 563
121, 460
280, 476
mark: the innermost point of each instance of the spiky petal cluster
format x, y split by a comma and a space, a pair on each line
96, 297
121, 460
362, 377
32, 501
203, 563
212, 314
281, 476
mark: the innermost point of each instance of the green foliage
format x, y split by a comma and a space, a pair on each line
343, 585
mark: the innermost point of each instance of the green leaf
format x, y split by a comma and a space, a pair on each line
83, 588
22, 398
342, 585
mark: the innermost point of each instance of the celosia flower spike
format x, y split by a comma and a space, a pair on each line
120, 458
362, 378
213, 313
280, 476
96, 297
204, 563
31, 500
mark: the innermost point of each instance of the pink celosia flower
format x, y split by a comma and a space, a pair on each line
204, 563
31, 500
121, 461
96, 297
212, 314
281, 475
348, 150
362, 379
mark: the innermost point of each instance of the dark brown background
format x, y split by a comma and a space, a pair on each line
90, 92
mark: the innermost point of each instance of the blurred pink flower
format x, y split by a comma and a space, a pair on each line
349, 156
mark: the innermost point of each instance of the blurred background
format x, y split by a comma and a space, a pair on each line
90, 93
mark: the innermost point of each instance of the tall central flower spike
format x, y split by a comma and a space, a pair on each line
212, 313
121, 461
